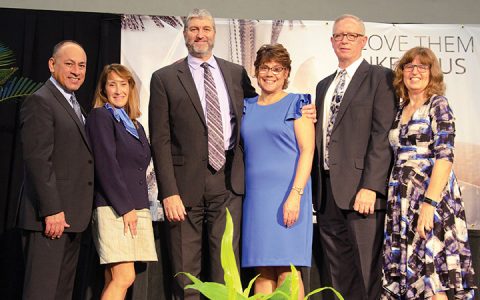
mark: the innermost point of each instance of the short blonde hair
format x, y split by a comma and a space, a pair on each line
133, 103
348, 16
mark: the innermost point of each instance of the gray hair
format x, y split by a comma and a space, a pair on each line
200, 13
348, 16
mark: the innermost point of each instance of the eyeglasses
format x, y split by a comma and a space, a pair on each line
350, 36
420, 68
275, 70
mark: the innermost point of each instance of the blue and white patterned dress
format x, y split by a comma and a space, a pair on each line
416, 268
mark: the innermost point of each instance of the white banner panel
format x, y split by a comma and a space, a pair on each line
149, 43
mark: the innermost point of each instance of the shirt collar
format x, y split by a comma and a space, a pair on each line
62, 90
121, 116
352, 68
194, 62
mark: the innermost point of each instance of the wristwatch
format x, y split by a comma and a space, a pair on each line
430, 201
299, 190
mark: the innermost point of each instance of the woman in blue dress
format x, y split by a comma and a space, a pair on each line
426, 249
279, 144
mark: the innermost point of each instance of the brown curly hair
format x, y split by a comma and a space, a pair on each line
273, 53
436, 86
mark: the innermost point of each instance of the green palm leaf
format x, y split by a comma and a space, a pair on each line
18, 87
246, 292
212, 290
13, 87
285, 290
339, 296
232, 289
227, 258
7, 57
5, 74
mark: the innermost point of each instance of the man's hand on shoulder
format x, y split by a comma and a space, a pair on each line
55, 225
365, 201
174, 209
310, 111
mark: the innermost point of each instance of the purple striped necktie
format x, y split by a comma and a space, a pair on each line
216, 149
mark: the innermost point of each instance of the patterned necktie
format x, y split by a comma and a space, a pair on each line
216, 148
76, 108
334, 106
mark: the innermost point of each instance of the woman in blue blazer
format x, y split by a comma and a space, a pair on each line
122, 226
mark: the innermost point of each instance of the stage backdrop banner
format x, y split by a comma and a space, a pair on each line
151, 42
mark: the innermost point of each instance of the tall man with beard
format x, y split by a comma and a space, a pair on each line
195, 111
356, 109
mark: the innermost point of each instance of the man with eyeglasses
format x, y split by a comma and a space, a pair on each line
356, 109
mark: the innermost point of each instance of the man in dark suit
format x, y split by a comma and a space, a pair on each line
356, 108
198, 161
57, 193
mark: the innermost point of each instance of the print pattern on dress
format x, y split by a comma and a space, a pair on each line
415, 268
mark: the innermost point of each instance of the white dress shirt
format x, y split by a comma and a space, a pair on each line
228, 120
351, 69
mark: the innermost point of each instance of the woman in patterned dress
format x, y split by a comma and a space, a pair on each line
426, 250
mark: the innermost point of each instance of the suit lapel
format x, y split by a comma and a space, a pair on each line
186, 79
63, 102
227, 77
351, 91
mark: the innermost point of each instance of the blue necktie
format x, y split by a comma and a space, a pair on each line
76, 108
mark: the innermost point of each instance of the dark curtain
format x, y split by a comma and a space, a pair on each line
31, 35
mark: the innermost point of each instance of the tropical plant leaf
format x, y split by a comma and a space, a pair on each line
339, 296
294, 284
232, 289
5, 74
246, 292
227, 258
7, 57
278, 295
258, 296
286, 285
211, 290
18, 87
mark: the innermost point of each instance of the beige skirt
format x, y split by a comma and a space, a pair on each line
113, 245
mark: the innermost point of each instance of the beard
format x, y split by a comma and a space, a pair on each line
199, 51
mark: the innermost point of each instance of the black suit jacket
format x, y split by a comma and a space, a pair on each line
360, 155
178, 131
58, 162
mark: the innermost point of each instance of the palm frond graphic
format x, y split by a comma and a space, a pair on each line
13, 87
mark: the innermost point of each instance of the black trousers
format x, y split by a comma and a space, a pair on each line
50, 265
353, 246
194, 244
